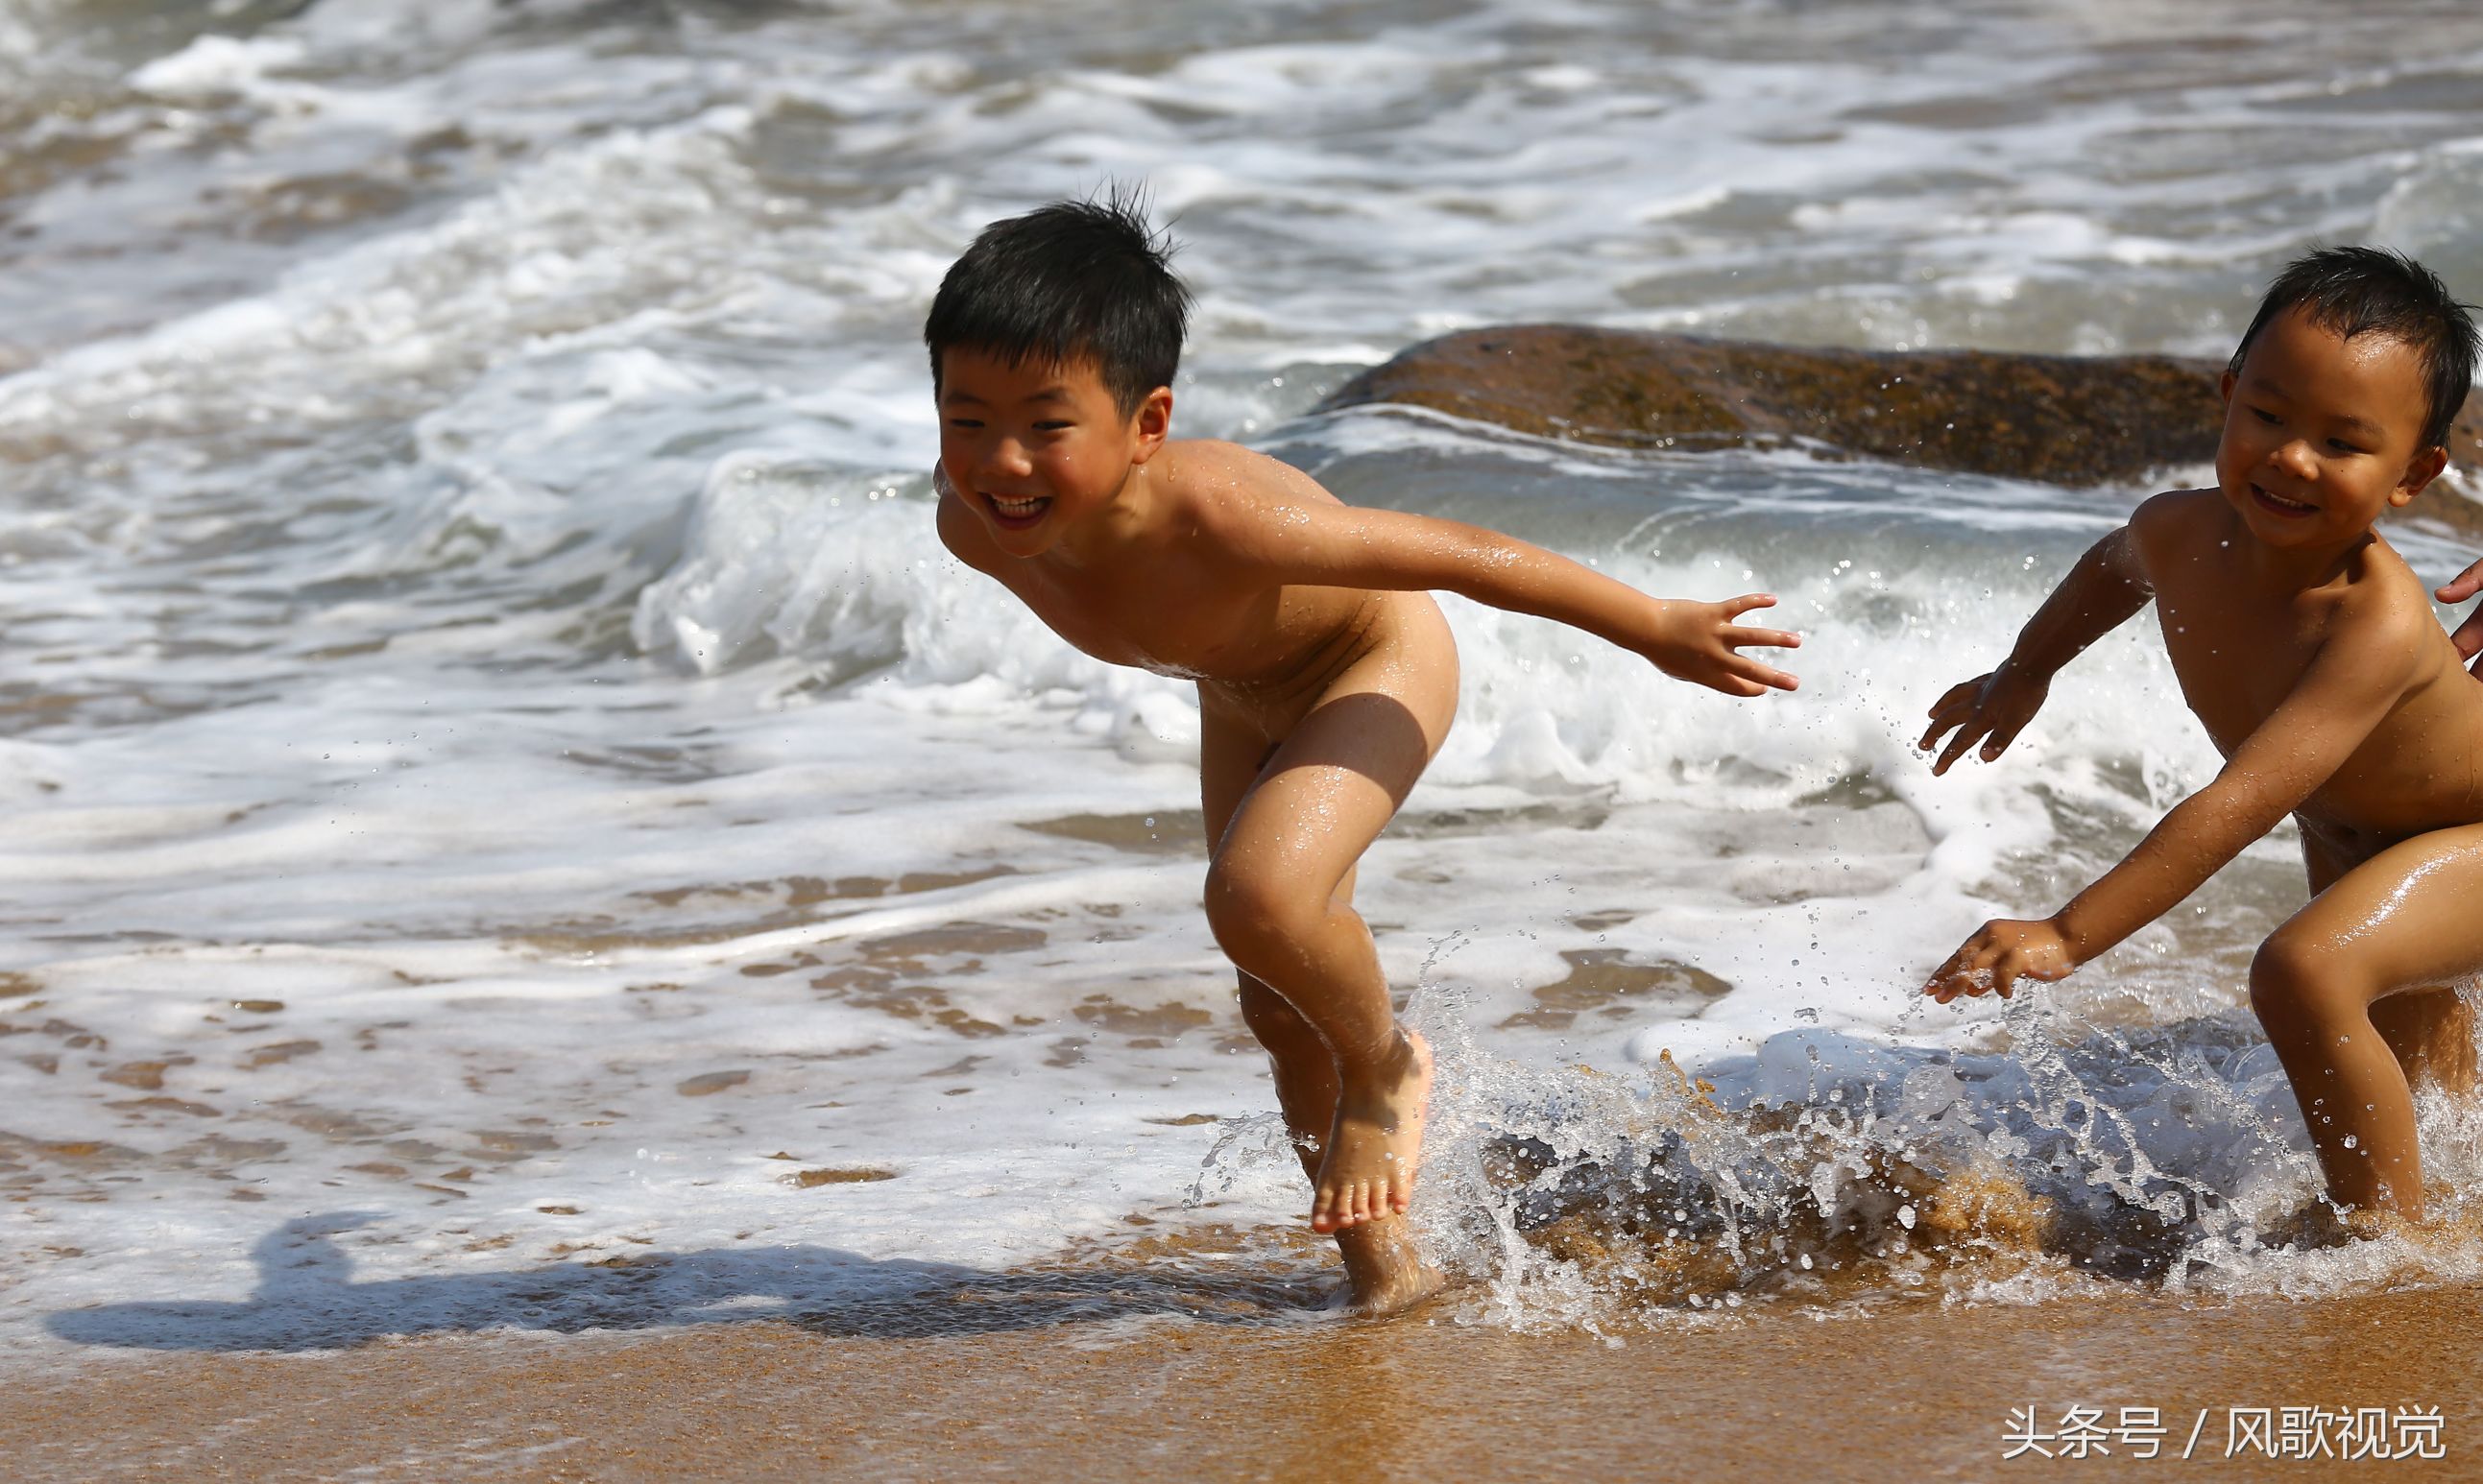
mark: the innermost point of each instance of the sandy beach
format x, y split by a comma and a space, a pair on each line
998, 1385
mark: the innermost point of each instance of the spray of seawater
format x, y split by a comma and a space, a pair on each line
1824, 1173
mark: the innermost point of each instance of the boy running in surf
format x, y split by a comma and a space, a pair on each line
2305, 646
1327, 676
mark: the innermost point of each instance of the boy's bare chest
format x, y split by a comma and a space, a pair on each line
2237, 658
1177, 621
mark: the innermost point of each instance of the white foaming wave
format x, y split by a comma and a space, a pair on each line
775, 560
2432, 213
218, 64
846, 571
416, 306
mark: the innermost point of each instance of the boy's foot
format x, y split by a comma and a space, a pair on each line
1385, 1270
1377, 1141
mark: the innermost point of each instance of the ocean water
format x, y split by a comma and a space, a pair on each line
514, 820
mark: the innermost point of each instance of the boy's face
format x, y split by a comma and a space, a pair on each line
1036, 450
2322, 434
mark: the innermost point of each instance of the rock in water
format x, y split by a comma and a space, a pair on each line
2061, 419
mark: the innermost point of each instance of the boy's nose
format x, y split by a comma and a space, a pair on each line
2296, 458
1007, 457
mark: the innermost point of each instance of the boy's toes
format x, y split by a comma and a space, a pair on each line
1325, 1217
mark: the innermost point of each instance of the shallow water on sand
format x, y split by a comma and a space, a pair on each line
980, 1382
503, 786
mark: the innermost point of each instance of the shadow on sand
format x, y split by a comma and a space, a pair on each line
308, 1299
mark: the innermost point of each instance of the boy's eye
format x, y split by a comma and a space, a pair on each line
2342, 447
2264, 414
1053, 425
965, 423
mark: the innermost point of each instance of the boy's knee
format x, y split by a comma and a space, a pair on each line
1270, 1017
1255, 916
2294, 980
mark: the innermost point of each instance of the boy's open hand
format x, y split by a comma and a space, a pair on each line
2000, 953
1700, 642
2469, 637
1990, 708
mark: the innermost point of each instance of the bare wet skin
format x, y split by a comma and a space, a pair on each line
1024, 1389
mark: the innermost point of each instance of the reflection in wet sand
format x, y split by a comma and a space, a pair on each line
1606, 981
1165, 832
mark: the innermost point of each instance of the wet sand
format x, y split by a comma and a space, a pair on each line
1920, 1392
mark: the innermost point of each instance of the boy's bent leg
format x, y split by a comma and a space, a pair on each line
1230, 755
1383, 1268
2432, 1032
1275, 900
2349, 990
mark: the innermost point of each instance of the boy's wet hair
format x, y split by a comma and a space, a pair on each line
2354, 291
1075, 279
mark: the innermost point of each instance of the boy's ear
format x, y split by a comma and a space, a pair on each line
2419, 471
1153, 424
2225, 388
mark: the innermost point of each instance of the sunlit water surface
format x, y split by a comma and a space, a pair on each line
504, 788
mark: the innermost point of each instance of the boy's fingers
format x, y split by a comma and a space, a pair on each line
2464, 585
2004, 974
1764, 674
2469, 637
1773, 638
1959, 696
1735, 607
1955, 710
1966, 736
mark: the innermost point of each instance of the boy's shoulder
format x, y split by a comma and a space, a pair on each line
2176, 513
1230, 465
1226, 487
2174, 523
2384, 594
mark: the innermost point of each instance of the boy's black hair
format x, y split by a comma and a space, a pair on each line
1069, 280
2355, 291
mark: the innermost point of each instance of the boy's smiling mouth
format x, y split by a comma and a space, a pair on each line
1017, 512
2277, 504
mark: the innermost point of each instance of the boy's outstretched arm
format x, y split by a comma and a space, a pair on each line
2348, 686
2100, 592
1320, 543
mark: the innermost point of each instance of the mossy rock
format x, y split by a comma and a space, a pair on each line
2059, 419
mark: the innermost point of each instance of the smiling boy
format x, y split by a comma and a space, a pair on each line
1327, 675
2305, 646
